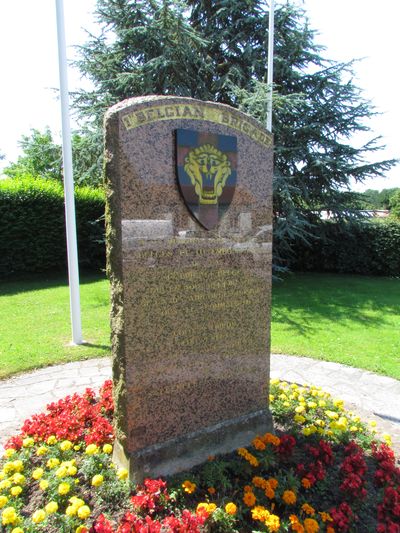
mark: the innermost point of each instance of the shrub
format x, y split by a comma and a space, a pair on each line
368, 248
32, 226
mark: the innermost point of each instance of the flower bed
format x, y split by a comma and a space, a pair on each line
323, 470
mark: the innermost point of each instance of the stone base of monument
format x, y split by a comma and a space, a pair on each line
185, 452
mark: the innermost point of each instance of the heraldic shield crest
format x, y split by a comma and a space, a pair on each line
206, 166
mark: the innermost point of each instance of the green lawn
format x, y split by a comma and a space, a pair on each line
35, 323
348, 319
353, 320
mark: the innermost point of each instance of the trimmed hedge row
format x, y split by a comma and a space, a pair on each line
368, 248
32, 226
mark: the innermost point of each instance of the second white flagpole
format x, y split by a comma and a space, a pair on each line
270, 64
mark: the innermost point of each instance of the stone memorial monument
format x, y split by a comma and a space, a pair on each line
189, 203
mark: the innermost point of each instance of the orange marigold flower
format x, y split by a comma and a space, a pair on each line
306, 483
258, 444
259, 482
269, 491
311, 525
188, 486
289, 497
330, 529
326, 517
308, 509
273, 482
269, 438
211, 490
247, 488
249, 499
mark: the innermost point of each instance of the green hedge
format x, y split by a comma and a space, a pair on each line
32, 226
368, 248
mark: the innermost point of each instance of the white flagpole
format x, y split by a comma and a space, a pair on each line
72, 249
270, 72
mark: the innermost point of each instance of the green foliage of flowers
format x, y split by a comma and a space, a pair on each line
322, 470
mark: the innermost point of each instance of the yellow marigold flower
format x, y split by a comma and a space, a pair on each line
230, 508
122, 473
3, 501
18, 465
43, 485
387, 438
211, 490
249, 499
319, 423
51, 507
91, 449
9, 452
299, 419
211, 507
274, 381
339, 404
62, 471
71, 510
63, 488
28, 442
258, 444
308, 509
17, 530
286, 404
84, 512
18, 479
202, 506
259, 513
37, 473
52, 462
80, 529
300, 409
9, 516
272, 522
311, 525
38, 516
5, 484
312, 405
188, 486
271, 398
77, 447
322, 403
72, 470
107, 448
52, 439
332, 414
16, 491
289, 497
42, 450
282, 396
78, 502
97, 480
65, 445
356, 419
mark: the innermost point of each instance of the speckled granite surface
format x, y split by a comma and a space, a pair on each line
190, 306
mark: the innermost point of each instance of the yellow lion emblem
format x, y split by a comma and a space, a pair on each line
208, 169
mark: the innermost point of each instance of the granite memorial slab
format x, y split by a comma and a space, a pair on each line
189, 243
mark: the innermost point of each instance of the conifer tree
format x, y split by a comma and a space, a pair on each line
217, 50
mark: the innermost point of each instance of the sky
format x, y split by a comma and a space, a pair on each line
348, 28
